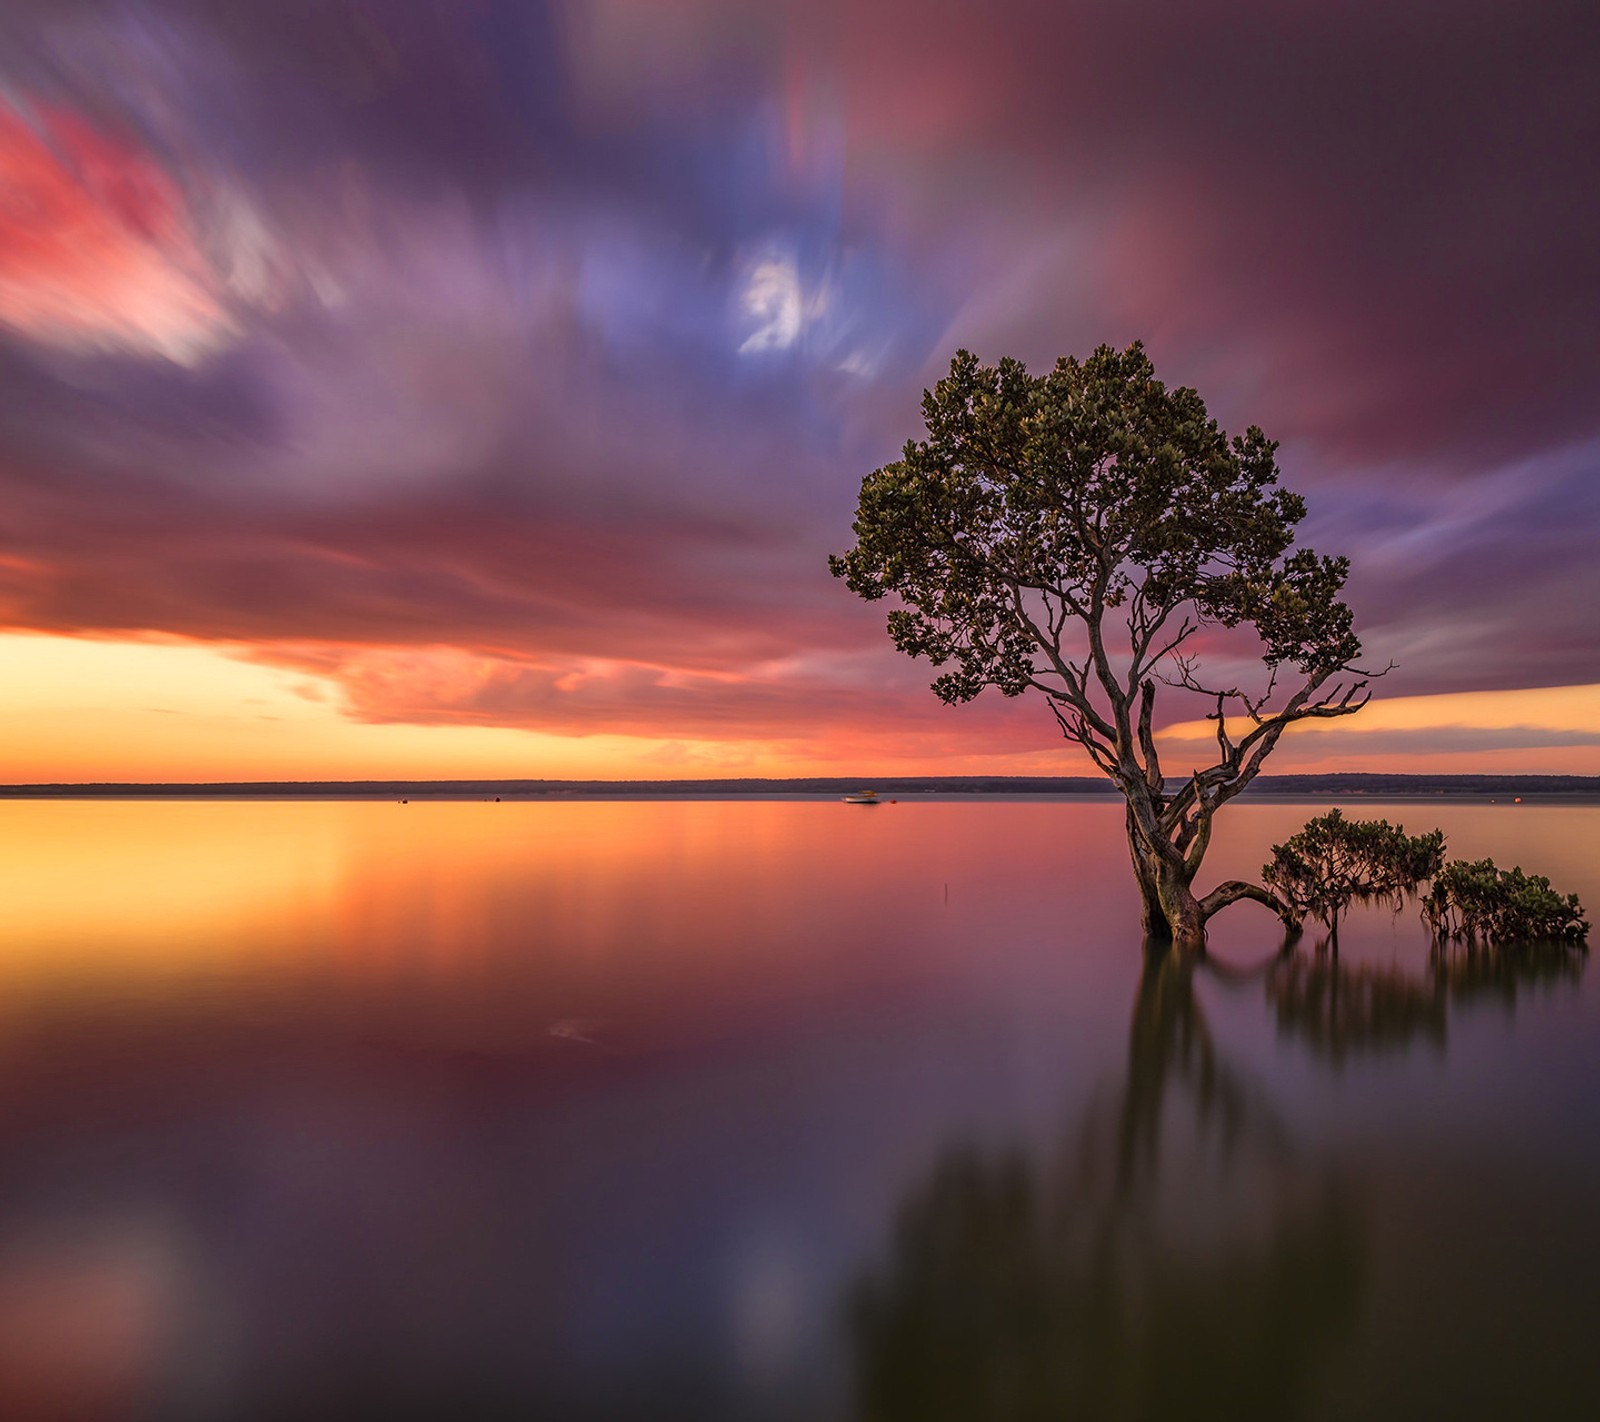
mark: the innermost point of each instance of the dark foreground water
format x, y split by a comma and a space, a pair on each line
769, 1110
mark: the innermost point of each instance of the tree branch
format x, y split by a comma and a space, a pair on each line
1076, 683
1233, 890
1077, 728
1242, 762
1147, 740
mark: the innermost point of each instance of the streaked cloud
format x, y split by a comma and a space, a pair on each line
514, 367
96, 247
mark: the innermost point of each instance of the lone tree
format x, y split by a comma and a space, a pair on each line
1074, 533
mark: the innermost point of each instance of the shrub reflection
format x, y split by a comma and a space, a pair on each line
1340, 1009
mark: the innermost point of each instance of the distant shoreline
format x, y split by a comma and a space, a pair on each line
1532, 788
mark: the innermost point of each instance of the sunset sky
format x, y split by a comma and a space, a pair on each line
477, 387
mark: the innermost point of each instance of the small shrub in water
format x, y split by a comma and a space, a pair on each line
1478, 901
1334, 862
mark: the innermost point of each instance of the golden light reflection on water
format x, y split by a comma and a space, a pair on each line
132, 887
120, 887
490, 922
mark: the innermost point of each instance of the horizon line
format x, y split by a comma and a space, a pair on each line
1288, 783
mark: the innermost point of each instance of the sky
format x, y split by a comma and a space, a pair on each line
477, 387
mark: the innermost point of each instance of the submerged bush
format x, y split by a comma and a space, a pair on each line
1478, 901
1334, 862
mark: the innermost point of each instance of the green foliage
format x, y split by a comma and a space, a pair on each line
1334, 862
1036, 501
1477, 901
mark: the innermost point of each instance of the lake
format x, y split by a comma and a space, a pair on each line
789, 1110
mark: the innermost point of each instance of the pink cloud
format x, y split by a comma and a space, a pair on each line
96, 248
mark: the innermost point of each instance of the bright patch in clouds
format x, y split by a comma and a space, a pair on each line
840, 309
773, 297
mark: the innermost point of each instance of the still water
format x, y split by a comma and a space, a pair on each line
786, 1110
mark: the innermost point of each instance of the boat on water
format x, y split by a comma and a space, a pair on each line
863, 797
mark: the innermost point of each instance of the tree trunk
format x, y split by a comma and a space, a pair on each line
1152, 916
1168, 909
1186, 920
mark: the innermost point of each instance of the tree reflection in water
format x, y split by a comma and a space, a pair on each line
1339, 1010
1179, 1258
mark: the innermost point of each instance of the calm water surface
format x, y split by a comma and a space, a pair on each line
769, 1110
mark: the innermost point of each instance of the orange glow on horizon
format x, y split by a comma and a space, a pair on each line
83, 710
